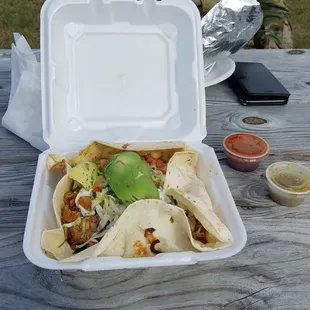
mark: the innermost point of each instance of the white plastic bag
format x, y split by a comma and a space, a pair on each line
23, 116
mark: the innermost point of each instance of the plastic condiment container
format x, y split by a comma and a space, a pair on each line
245, 151
289, 183
123, 71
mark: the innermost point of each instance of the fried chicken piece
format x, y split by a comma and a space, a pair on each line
85, 202
191, 220
68, 215
82, 232
200, 234
69, 196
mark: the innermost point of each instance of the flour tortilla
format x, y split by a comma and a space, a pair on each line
56, 163
53, 242
98, 150
170, 224
64, 186
183, 185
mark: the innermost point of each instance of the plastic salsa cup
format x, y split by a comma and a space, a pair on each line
288, 183
245, 151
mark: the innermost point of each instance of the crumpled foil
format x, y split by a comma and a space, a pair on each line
228, 26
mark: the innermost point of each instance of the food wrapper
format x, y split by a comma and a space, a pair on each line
23, 116
228, 26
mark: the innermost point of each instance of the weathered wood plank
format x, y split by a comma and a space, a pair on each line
5, 86
265, 279
250, 190
287, 127
272, 272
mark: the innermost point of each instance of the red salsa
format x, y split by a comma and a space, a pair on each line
245, 144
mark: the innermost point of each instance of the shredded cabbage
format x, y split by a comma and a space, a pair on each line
157, 176
109, 210
100, 196
117, 208
104, 218
76, 222
164, 197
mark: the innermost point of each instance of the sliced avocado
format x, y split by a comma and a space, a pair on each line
130, 178
85, 173
76, 185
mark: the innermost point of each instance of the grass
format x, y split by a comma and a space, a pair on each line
21, 16
24, 15
300, 20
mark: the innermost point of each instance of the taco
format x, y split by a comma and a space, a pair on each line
190, 193
110, 192
146, 228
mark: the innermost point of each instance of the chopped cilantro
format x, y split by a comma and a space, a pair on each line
171, 219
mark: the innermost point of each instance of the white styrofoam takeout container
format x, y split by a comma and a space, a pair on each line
123, 71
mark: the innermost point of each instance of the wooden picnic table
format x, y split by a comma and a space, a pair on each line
271, 272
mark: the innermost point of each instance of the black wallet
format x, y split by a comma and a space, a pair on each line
254, 84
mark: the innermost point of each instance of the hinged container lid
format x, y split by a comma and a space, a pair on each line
121, 70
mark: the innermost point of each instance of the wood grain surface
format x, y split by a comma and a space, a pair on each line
271, 272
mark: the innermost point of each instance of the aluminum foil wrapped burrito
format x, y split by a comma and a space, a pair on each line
228, 26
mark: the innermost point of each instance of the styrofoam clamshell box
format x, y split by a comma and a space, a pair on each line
123, 71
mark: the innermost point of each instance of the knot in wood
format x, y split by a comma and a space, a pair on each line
253, 120
296, 52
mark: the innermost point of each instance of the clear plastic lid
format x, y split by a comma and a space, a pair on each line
121, 70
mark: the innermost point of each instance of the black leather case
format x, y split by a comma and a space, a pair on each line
254, 84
